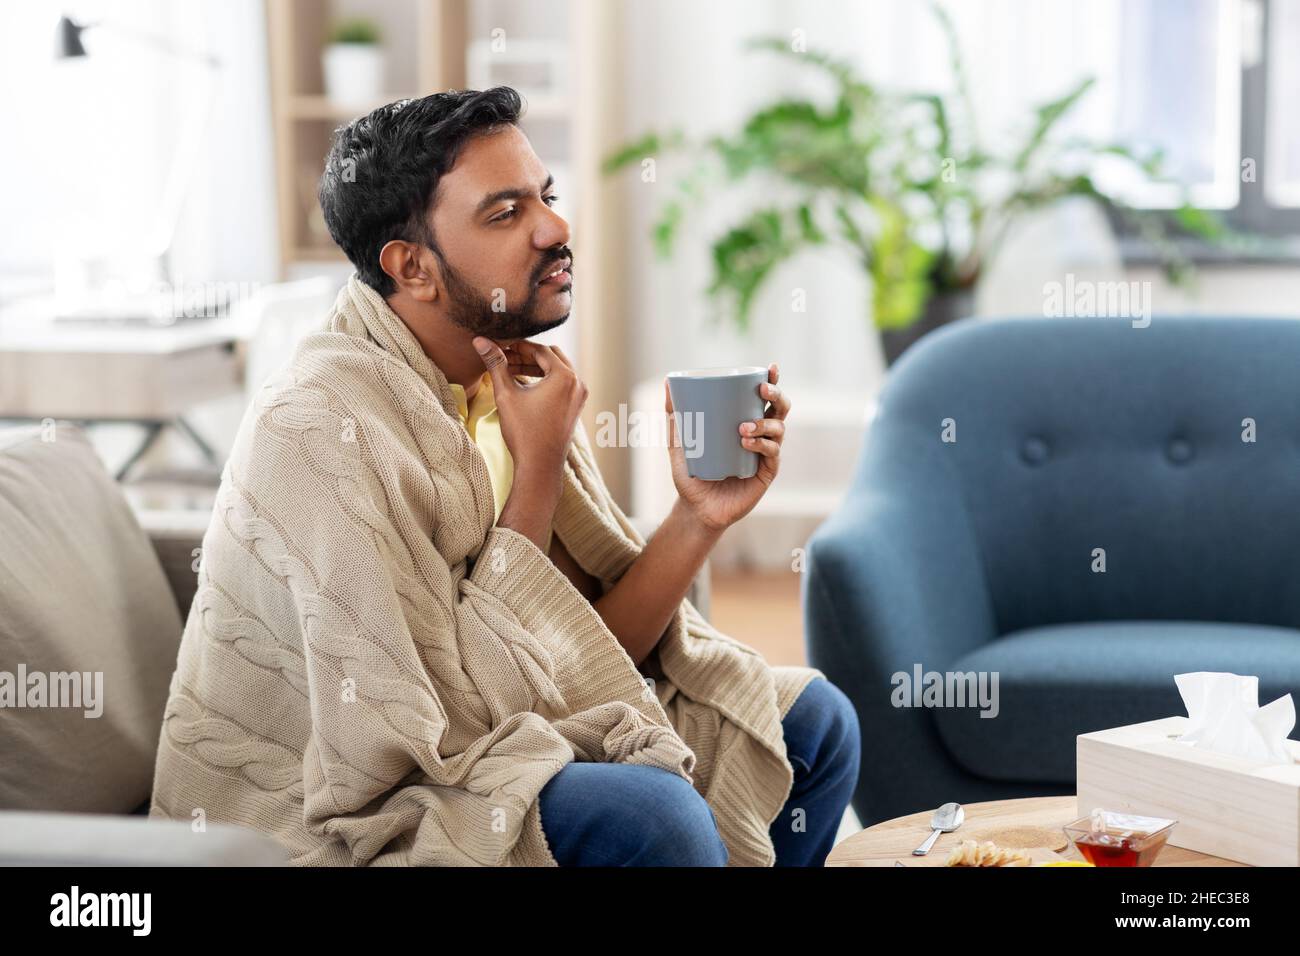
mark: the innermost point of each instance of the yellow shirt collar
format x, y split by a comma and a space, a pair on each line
484, 400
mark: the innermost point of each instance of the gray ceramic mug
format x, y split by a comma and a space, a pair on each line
708, 406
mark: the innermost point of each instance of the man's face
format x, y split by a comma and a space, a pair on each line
501, 241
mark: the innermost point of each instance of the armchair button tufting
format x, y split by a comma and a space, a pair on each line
1034, 451
1179, 450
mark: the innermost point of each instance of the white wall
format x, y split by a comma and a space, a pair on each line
90, 142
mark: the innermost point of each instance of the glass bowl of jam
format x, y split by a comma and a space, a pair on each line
1108, 838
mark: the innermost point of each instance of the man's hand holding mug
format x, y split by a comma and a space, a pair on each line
728, 449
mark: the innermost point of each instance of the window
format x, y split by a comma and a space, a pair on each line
1214, 84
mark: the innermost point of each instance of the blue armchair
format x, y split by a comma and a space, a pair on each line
1076, 506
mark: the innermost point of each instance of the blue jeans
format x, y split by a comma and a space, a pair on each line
617, 814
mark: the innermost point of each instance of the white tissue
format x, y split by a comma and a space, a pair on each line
1225, 716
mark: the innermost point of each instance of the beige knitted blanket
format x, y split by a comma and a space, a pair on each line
374, 673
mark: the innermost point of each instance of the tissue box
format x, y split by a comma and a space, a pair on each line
1225, 806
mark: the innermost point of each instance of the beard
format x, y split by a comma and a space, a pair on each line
476, 313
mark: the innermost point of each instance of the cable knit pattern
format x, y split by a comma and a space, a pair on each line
374, 673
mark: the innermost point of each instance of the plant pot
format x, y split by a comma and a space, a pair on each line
354, 73
942, 308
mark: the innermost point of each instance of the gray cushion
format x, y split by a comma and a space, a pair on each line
1055, 683
80, 839
81, 591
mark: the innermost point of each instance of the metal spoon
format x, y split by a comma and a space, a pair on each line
946, 819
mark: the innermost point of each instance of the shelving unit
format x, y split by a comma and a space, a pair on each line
424, 42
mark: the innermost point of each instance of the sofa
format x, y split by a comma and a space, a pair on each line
1080, 507
90, 586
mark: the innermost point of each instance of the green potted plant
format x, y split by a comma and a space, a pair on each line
902, 181
353, 63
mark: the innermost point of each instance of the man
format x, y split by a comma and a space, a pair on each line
423, 624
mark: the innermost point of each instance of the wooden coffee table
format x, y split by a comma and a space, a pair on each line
893, 841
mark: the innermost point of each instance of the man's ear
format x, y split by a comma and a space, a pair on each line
413, 267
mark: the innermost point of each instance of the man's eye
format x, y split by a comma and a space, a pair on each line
510, 213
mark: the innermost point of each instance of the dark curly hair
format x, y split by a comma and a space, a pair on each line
383, 169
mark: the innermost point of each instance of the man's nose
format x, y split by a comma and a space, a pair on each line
553, 231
